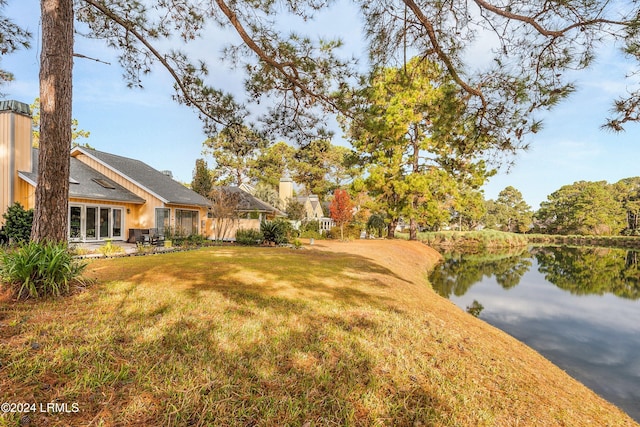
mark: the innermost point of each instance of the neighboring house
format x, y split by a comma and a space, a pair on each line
312, 206
109, 195
311, 203
250, 207
249, 213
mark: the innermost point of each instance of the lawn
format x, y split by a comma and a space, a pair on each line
332, 334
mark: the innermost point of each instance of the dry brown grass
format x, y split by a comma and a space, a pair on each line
335, 334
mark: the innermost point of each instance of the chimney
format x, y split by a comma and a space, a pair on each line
15, 151
285, 191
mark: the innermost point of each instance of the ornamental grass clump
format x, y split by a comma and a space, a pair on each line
277, 231
39, 270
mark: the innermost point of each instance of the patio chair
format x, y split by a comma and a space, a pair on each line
155, 238
136, 236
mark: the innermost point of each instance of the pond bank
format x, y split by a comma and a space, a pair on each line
490, 361
579, 307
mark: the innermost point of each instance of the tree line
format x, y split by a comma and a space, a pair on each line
583, 208
386, 192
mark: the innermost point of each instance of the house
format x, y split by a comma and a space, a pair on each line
311, 203
248, 212
109, 195
250, 207
312, 206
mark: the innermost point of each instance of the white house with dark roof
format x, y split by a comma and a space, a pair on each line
109, 195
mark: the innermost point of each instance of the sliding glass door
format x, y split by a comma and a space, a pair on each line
95, 222
91, 221
186, 222
116, 223
163, 220
75, 223
105, 224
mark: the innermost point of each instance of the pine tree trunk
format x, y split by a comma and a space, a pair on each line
391, 229
56, 63
413, 229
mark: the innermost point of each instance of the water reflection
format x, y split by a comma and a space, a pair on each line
591, 271
580, 308
581, 271
461, 271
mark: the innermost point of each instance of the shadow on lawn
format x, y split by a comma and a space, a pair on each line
299, 368
235, 272
286, 348
215, 338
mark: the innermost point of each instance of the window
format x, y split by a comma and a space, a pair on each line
95, 222
186, 222
91, 222
75, 222
105, 183
163, 220
116, 230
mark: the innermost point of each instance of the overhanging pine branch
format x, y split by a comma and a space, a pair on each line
431, 33
132, 29
251, 44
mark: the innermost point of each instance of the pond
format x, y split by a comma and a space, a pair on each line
578, 307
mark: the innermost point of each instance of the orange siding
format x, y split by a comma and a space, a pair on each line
15, 155
144, 216
5, 168
26, 194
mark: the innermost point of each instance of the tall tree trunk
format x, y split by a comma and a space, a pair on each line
391, 229
413, 223
413, 229
56, 63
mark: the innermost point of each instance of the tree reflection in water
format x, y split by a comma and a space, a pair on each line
475, 308
591, 271
579, 307
458, 272
580, 271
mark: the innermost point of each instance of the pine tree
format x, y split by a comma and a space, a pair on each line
202, 182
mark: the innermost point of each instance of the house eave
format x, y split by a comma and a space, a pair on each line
25, 178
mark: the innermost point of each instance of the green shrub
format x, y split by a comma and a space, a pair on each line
277, 231
18, 223
196, 240
351, 232
251, 237
376, 224
310, 226
180, 240
39, 270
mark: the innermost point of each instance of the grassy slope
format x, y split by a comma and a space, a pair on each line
336, 334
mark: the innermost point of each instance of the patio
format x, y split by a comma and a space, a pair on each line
94, 249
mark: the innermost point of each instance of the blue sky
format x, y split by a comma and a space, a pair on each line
147, 125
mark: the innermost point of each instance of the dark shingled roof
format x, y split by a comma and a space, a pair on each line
249, 203
83, 183
150, 179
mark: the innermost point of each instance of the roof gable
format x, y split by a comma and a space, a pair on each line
250, 203
84, 182
147, 178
